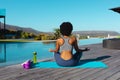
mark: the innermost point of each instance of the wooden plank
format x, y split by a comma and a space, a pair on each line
108, 73
23, 74
115, 76
81, 75
98, 74
58, 74
69, 74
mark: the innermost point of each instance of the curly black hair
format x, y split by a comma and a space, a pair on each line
66, 28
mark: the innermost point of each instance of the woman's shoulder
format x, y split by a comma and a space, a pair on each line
60, 39
73, 37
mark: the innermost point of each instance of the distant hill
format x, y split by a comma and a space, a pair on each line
97, 33
84, 33
16, 28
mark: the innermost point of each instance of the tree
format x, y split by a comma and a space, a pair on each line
57, 33
25, 35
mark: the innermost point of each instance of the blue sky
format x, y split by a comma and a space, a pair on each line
46, 15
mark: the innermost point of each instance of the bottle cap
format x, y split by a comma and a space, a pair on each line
35, 53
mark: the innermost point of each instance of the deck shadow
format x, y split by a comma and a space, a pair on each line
90, 60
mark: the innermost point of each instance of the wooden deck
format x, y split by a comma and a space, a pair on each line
108, 56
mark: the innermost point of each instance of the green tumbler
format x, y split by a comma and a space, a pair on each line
34, 57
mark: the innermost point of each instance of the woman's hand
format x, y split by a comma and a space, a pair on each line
50, 50
53, 50
87, 49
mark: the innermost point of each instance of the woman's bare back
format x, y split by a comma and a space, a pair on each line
66, 54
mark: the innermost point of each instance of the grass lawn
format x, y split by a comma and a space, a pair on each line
17, 40
24, 40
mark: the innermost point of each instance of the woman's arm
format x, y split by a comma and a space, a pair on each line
57, 47
77, 48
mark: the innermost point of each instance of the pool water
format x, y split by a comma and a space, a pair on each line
18, 52
90, 41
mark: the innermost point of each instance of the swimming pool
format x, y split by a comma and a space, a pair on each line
18, 52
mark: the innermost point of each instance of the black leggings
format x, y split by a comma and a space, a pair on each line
72, 62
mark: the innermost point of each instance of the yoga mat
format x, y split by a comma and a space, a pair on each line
92, 64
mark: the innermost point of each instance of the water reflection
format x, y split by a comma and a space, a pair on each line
18, 52
3, 50
3, 53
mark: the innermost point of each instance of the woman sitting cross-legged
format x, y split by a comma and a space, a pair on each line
63, 52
